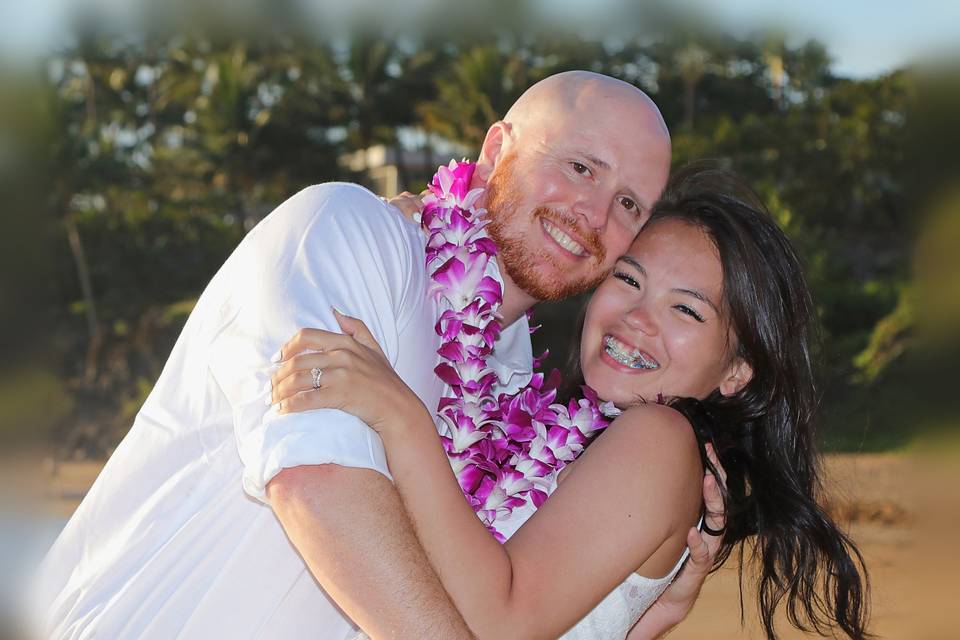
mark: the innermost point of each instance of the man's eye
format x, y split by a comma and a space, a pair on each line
580, 168
628, 204
682, 308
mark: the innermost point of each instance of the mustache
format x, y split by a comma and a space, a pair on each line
591, 239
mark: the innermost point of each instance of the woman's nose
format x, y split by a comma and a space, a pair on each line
640, 319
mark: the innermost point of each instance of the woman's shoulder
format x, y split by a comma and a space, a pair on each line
656, 420
647, 461
656, 430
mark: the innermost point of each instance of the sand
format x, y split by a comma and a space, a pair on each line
890, 503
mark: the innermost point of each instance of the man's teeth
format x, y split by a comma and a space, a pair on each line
564, 240
626, 356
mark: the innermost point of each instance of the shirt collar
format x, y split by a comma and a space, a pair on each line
512, 357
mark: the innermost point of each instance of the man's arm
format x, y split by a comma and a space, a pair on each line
324, 473
352, 531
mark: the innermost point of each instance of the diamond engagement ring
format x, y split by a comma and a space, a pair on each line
316, 372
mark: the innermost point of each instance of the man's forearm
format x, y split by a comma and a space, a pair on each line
352, 531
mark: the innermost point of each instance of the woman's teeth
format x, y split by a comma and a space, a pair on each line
632, 358
564, 240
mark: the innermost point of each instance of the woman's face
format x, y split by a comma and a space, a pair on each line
657, 324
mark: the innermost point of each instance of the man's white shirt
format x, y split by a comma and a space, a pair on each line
174, 540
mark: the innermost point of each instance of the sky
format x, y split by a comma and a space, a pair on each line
865, 38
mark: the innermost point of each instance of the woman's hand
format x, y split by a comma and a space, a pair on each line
409, 204
326, 370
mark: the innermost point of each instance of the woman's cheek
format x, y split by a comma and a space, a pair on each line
693, 357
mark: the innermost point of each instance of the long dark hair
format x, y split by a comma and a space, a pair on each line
764, 435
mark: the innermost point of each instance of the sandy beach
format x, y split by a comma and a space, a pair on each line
885, 500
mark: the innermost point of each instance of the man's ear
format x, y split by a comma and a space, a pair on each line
738, 374
490, 152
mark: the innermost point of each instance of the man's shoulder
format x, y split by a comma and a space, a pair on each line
347, 193
349, 207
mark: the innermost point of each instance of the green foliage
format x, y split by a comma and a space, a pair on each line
33, 402
162, 153
889, 340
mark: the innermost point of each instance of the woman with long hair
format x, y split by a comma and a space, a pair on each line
702, 337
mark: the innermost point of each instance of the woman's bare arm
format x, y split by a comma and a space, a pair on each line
627, 503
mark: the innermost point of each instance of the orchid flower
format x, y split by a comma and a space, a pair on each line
503, 449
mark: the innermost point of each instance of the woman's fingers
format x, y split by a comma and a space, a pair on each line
716, 463
296, 382
297, 375
713, 486
713, 501
408, 203
302, 362
306, 400
315, 339
700, 558
357, 329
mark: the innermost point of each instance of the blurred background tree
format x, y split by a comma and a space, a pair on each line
163, 150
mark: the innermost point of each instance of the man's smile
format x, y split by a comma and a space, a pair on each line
563, 239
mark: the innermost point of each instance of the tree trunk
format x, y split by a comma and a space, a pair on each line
689, 102
402, 168
95, 335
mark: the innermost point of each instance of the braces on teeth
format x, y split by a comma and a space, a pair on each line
633, 359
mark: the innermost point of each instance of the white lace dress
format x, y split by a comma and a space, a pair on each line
616, 614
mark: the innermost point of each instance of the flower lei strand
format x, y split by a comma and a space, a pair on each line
503, 447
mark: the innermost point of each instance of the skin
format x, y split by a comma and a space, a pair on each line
595, 153
353, 500
626, 504
591, 150
667, 304
677, 601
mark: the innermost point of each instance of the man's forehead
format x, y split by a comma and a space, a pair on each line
630, 164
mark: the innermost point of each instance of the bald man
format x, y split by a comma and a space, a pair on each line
219, 517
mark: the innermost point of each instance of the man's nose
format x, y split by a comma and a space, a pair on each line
594, 208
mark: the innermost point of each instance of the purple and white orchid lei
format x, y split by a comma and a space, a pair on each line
504, 447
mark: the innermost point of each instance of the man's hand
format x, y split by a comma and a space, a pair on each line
675, 603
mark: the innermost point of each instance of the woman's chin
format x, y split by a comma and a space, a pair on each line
607, 392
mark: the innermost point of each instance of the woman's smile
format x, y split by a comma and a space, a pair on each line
658, 315
627, 355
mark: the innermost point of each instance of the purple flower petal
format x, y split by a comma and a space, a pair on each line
453, 351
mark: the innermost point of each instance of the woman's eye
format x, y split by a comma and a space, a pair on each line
580, 168
619, 275
682, 308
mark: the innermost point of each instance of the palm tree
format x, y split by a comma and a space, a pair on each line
475, 91
691, 64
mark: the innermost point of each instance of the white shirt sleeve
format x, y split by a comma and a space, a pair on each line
329, 245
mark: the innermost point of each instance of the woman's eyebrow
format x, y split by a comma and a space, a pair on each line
633, 263
699, 296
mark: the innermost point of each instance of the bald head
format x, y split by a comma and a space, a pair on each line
580, 113
573, 170
572, 96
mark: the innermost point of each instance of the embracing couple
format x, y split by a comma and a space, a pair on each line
349, 436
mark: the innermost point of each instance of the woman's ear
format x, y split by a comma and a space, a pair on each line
738, 374
492, 149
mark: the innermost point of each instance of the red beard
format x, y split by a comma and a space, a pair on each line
531, 270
